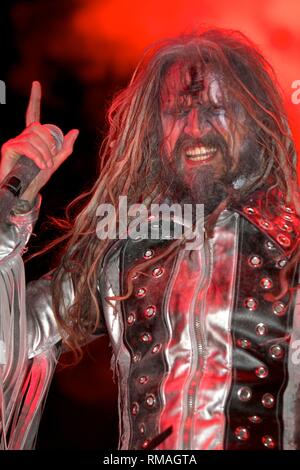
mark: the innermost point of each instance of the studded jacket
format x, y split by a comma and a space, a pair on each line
206, 348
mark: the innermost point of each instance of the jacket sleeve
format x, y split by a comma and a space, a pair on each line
27, 322
25, 375
30, 343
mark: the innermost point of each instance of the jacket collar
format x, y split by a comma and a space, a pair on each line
272, 216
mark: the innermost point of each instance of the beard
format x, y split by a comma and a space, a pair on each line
203, 184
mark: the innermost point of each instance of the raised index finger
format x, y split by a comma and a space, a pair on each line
34, 106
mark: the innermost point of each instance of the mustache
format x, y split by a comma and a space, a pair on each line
209, 140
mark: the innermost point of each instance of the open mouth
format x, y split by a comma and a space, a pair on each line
200, 153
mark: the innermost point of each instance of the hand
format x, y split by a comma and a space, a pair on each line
36, 143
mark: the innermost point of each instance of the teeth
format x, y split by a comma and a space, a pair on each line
200, 150
200, 157
200, 153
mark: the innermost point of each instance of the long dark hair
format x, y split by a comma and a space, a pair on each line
130, 152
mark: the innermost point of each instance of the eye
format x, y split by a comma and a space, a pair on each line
181, 112
217, 109
178, 112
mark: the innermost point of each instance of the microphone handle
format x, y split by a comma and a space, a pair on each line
21, 175
15, 183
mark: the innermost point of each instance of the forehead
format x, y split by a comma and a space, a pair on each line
191, 79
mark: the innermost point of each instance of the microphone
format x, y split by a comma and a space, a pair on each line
22, 174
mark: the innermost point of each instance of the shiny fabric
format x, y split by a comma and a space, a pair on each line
174, 367
203, 297
197, 384
291, 399
24, 379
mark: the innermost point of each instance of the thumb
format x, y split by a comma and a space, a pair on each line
67, 147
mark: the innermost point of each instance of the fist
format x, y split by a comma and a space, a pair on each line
37, 144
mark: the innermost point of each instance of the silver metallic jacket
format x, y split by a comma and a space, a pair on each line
206, 348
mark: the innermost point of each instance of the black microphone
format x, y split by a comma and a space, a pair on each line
22, 174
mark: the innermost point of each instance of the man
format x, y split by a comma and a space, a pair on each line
203, 339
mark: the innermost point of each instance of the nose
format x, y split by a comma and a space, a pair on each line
196, 125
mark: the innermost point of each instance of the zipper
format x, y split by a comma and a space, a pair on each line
199, 347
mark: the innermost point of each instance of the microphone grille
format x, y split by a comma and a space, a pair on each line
57, 135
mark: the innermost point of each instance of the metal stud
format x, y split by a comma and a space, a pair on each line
150, 311
131, 319
249, 210
288, 209
266, 283
145, 444
255, 261
255, 419
244, 343
136, 357
142, 429
276, 351
279, 308
250, 303
146, 338
261, 329
266, 224
148, 254
134, 409
284, 226
156, 348
241, 433
283, 240
268, 400
150, 400
281, 263
143, 379
270, 246
261, 372
244, 394
269, 442
288, 217
141, 292
157, 272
